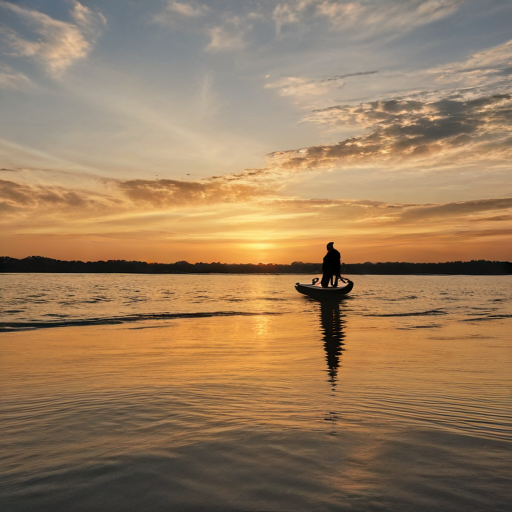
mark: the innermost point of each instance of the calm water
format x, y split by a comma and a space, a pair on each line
137, 392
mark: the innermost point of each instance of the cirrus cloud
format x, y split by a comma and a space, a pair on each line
364, 19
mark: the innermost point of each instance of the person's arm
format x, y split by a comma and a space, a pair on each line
342, 278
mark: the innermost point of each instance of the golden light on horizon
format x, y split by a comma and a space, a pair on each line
259, 251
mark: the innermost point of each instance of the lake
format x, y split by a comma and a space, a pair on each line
236, 393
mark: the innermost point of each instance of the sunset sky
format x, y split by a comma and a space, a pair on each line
256, 130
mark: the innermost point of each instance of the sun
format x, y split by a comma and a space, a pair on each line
259, 252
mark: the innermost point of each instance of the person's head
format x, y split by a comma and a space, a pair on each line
330, 246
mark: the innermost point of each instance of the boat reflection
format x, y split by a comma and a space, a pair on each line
332, 324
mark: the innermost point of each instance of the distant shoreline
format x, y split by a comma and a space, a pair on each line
40, 264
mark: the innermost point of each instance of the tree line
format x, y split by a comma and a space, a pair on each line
42, 264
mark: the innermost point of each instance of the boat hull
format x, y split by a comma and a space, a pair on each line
331, 293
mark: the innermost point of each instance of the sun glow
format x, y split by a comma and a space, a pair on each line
259, 252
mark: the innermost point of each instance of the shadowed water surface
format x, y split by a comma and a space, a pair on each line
236, 393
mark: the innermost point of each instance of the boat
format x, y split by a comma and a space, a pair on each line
316, 291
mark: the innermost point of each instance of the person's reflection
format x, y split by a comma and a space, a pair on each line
333, 335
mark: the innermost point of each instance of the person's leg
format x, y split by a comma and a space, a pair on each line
325, 280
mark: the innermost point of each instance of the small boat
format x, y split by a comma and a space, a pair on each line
315, 291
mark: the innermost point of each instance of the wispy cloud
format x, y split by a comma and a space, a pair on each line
228, 23
284, 14
224, 29
365, 19
488, 70
175, 12
470, 210
187, 9
12, 79
229, 36
386, 15
481, 74
299, 87
55, 44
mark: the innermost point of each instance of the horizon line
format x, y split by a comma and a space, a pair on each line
184, 262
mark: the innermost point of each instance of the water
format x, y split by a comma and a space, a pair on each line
230, 392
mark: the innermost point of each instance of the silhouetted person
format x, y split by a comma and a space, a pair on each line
331, 267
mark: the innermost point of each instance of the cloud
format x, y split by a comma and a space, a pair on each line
135, 196
11, 79
469, 119
409, 128
55, 44
494, 218
171, 193
462, 115
493, 61
91, 22
484, 73
180, 10
187, 9
227, 25
229, 213
86, 195
467, 209
360, 217
347, 75
364, 19
386, 15
225, 30
229, 36
285, 15
23, 199
299, 87
296, 86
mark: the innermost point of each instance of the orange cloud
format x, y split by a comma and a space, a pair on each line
235, 222
171, 193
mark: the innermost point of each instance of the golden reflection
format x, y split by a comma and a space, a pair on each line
262, 325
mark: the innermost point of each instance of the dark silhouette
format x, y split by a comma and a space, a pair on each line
331, 267
42, 264
333, 335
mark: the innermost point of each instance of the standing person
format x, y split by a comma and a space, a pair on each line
331, 266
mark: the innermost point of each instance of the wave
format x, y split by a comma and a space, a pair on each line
412, 327
488, 317
24, 326
415, 313
399, 299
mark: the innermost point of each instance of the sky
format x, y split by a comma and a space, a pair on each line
256, 131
